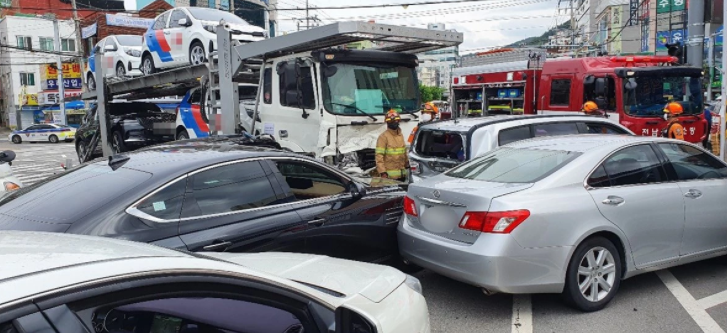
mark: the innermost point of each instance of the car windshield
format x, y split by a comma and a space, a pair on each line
512, 165
128, 40
214, 15
646, 96
370, 89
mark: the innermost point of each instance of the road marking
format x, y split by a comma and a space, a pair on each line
698, 314
522, 314
713, 300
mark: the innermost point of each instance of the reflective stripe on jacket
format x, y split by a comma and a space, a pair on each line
391, 154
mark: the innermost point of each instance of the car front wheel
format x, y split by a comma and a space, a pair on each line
147, 65
594, 275
17, 139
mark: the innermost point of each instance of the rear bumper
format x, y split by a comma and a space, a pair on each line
495, 262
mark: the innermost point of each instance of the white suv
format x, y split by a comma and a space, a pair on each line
185, 35
122, 57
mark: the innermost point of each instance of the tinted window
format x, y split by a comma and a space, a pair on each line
508, 165
560, 92
599, 178
555, 129
691, 163
176, 16
308, 182
167, 203
229, 188
514, 134
601, 128
268, 86
634, 165
7, 328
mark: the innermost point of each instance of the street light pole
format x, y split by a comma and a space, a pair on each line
59, 65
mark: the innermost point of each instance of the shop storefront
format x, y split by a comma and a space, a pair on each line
52, 114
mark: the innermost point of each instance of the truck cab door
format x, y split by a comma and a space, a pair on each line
290, 108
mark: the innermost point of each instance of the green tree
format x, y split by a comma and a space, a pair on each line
429, 94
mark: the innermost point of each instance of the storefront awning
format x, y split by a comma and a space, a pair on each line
69, 106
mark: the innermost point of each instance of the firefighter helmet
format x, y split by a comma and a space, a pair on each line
430, 107
589, 107
674, 108
392, 116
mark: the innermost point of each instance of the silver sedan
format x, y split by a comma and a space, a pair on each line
572, 215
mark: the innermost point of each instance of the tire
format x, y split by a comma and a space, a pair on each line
53, 138
196, 54
17, 139
581, 269
120, 70
117, 143
80, 150
91, 82
147, 65
183, 135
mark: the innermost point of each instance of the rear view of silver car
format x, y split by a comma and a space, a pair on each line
574, 215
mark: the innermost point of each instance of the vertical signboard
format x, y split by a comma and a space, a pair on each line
633, 12
616, 21
666, 6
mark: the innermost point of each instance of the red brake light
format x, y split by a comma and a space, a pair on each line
494, 222
456, 80
410, 207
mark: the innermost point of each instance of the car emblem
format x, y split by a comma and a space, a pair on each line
436, 194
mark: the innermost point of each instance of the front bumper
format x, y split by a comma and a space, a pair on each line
133, 67
496, 262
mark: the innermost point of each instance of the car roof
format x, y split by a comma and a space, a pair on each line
585, 142
466, 124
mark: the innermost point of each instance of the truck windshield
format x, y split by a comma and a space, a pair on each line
370, 89
647, 96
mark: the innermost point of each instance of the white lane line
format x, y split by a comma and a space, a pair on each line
698, 314
522, 314
713, 300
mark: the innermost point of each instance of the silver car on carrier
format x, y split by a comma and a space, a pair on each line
572, 214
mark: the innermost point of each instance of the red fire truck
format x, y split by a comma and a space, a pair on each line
632, 90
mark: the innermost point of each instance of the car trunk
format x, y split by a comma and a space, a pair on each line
442, 204
438, 150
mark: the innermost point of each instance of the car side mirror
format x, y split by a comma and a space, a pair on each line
184, 23
110, 48
349, 321
357, 190
7, 156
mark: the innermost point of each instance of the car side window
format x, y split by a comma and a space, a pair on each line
634, 165
228, 188
599, 178
555, 129
196, 97
32, 128
309, 182
161, 21
167, 203
177, 15
513, 134
689, 163
602, 128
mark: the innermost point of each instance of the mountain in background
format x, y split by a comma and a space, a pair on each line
542, 39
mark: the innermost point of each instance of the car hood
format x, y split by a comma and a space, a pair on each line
345, 277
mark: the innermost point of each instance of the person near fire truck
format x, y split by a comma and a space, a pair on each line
429, 112
674, 129
391, 159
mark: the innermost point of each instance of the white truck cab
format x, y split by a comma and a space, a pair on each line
332, 103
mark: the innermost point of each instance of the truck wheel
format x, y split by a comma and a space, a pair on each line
593, 276
17, 139
183, 135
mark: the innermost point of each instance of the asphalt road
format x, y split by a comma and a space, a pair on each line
690, 298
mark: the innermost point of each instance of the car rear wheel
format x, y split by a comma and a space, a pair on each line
117, 143
196, 54
80, 151
120, 71
147, 65
17, 139
53, 138
594, 275
183, 135
91, 82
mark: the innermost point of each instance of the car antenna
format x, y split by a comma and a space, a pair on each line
117, 161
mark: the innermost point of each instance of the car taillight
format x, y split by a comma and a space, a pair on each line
410, 207
494, 222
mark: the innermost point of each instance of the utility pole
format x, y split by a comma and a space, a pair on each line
79, 40
59, 65
232, 6
695, 44
307, 23
724, 99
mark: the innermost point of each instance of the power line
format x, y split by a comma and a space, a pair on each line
391, 5
40, 51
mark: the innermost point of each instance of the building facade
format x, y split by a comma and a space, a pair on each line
435, 66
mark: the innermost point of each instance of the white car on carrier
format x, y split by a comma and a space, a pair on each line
122, 57
187, 35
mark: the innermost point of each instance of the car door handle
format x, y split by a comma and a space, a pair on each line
317, 223
693, 194
218, 246
613, 200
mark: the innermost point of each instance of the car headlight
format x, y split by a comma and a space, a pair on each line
211, 28
133, 53
414, 284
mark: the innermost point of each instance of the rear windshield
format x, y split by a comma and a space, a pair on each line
509, 165
441, 144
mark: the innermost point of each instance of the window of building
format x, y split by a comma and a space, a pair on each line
27, 79
68, 45
46, 43
25, 42
560, 92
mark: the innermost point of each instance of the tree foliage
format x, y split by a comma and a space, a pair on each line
429, 94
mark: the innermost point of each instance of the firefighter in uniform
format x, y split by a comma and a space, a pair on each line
429, 112
674, 129
391, 159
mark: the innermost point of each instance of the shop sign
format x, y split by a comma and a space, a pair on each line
52, 98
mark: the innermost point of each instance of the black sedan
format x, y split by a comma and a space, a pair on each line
212, 196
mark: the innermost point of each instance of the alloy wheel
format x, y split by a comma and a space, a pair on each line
196, 55
146, 66
115, 144
120, 71
596, 274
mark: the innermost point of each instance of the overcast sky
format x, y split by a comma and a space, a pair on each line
484, 24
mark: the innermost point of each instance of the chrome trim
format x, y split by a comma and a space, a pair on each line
440, 202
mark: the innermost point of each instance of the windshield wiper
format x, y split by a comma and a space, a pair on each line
355, 108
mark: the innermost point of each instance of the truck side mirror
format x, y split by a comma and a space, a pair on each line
330, 71
630, 84
600, 88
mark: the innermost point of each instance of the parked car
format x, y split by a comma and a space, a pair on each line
570, 214
122, 54
9, 180
43, 133
192, 123
91, 284
439, 146
216, 196
186, 35
132, 125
